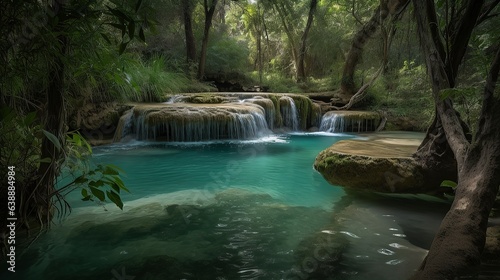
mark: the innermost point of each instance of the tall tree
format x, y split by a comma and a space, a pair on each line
460, 239
281, 9
301, 71
187, 12
209, 9
64, 33
383, 10
55, 115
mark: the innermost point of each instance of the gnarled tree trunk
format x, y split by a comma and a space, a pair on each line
460, 239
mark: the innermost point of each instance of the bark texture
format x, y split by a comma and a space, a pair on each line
187, 11
301, 70
459, 242
209, 14
40, 196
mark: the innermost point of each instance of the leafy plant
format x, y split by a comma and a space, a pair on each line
98, 183
449, 184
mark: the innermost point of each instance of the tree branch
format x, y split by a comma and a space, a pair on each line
487, 10
491, 105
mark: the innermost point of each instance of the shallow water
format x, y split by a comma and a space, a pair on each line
233, 210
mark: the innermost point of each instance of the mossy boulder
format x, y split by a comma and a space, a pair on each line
369, 173
380, 165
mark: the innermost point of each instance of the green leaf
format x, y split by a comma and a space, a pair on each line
77, 140
117, 180
118, 26
97, 193
115, 198
131, 29
115, 187
96, 184
449, 184
119, 14
108, 170
122, 48
87, 198
141, 35
45, 160
81, 180
106, 38
30, 118
85, 193
52, 139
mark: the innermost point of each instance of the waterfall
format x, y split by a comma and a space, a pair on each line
349, 121
200, 123
175, 99
267, 106
125, 126
141, 127
331, 122
289, 113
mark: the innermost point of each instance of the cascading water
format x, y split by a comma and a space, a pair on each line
236, 116
185, 123
289, 113
125, 126
349, 121
332, 123
267, 106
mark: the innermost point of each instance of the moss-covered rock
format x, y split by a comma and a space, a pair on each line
379, 165
370, 173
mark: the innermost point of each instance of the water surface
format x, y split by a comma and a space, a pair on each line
233, 210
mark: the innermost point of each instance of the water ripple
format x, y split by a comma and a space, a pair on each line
397, 246
350, 234
386, 252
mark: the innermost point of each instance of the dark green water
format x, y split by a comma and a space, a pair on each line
231, 210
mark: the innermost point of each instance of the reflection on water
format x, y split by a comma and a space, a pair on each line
241, 210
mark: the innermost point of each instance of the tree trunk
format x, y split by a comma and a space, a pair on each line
435, 154
386, 8
459, 242
187, 10
258, 28
209, 14
289, 33
55, 119
301, 71
460, 239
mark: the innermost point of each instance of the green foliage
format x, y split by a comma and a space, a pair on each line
449, 184
20, 145
405, 95
97, 183
227, 55
277, 83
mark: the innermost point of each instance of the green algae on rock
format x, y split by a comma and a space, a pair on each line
383, 164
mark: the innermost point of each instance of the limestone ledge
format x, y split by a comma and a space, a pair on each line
381, 164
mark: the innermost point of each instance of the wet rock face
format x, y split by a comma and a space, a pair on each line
97, 122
